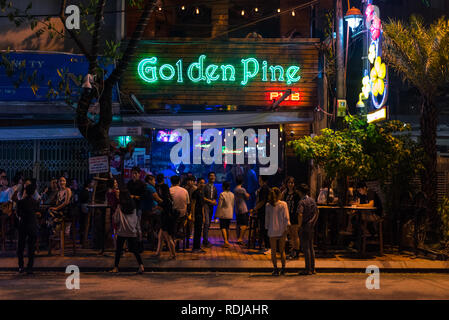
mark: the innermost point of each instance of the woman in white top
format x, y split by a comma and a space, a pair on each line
225, 211
276, 222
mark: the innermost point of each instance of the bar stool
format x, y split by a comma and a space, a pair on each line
378, 241
253, 230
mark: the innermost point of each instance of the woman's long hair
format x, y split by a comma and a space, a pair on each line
126, 203
274, 196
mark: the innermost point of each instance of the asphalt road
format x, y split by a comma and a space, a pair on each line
223, 286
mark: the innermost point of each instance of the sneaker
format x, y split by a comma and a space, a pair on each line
282, 272
207, 244
267, 252
141, 269
275, 272
114, 270
21, 270
226, 245
305, 273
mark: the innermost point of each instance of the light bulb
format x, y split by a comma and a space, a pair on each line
183, 8
256, 9
279, 10
293, 13
197, 11
160, 9
243, 12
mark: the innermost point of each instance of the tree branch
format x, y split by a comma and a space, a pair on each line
132, 44
72, 33
96, 35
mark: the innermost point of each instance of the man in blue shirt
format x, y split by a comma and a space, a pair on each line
150, 217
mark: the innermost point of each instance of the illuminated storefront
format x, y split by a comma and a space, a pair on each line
223, 84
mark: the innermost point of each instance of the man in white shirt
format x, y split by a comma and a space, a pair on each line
179, 195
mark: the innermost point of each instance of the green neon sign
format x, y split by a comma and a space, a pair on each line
200, 71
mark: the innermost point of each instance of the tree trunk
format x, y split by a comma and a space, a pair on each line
429, 121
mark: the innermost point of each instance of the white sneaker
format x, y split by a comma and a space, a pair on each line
267, 252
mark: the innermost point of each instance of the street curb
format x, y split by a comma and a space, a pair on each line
233, 270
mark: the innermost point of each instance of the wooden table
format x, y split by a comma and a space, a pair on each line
359, 210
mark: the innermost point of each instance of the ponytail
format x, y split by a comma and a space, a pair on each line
274, 196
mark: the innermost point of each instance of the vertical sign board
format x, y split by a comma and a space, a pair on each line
98, 165
341, 108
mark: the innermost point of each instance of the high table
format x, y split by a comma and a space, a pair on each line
103, 209
358, 210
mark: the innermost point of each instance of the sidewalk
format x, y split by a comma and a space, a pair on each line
218, 259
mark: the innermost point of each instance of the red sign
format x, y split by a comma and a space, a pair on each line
290, 100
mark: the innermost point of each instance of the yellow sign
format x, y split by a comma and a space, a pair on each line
378, 115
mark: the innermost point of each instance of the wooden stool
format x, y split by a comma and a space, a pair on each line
252, 228
378, 241
54, 238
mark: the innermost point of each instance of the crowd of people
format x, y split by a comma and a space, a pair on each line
149, 209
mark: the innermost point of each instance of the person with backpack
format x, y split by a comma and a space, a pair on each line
225, 211
128, 229
168, 217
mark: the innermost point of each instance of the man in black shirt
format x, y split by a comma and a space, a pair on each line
198, 214
136, 188
369, 198
259, 209
28, 227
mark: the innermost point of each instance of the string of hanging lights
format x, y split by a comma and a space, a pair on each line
244, 12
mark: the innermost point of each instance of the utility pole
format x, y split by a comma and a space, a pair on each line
341, 94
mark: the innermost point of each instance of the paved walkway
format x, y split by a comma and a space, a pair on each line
235, 258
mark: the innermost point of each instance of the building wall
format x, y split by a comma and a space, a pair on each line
23, 38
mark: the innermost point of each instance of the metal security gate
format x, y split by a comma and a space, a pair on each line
45, 159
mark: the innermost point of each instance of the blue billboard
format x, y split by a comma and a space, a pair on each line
47, 71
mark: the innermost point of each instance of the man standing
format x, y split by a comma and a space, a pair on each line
308, 210
181, 200
198, 209
190, 187
259, 209
28, 227
210, 198
136, 188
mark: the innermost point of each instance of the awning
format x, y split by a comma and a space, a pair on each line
220, 120
38, 133
132, 125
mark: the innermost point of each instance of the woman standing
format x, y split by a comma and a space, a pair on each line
60, 211
128, 229
168, 219
291, 197
277, 222
225, 211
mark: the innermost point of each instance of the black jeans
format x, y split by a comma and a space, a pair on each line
132, 247
306, 236
197, 230
26, 237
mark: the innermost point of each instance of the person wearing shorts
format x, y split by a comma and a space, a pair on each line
277, 221
241, 196
225, 211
